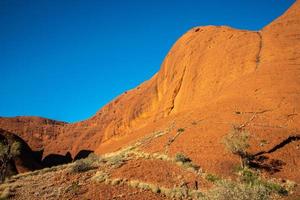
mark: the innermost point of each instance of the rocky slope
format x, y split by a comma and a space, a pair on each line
212, 78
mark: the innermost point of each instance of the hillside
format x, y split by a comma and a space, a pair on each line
213, 78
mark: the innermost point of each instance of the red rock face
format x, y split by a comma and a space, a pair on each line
36, 131
217, 75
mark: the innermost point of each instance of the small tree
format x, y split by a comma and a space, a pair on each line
237, 142
7, 153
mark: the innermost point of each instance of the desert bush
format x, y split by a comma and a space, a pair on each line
3, 149
100, 176
6, 193
154, 188
179, 193
134, 183
252, 178
7, 154
248, 176
116, 181
275, 188
180, 130
15, 149
161, 156
212, 178
186, 162
289, 185
180, 157
93, 158
81, 166
144, 186
116, 161
237, 142
86, 164
73, 188
237, 191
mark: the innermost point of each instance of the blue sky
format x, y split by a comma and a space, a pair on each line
65, 59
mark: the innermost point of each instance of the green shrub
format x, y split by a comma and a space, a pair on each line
248, 176
274, 187
212, 178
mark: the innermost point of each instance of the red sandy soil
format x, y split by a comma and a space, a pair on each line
216, 76
66, 185
159, 173
102, 191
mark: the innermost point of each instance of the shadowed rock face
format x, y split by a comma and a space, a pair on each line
82, 154
55, 159
27, 160
216, 73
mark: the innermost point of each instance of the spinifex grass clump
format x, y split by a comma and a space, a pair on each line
86, 164
185, 161
81, 166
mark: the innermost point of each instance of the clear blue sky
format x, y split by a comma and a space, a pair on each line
65, 59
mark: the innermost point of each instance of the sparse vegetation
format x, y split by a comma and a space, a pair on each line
237, 142
180, 157
5, 194
81, 166
116, 181
263, 142
274, 187
226, 189
15, 149
186, 162
212, 178
251, 187
252, 178
116, 161
248, 176
180, 130
100, 176
248, 185
86, 164
73, 188
7, 153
